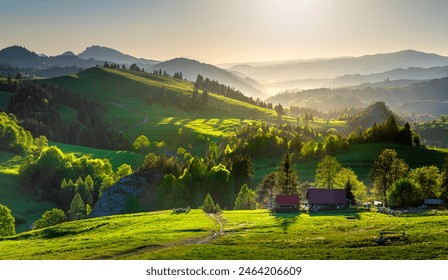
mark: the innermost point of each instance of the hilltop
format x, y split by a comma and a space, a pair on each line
376, 113
191, 68
101, 53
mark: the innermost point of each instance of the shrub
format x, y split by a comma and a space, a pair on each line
7, 222
404, 193
50, 218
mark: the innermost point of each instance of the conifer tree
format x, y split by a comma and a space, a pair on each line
287, 178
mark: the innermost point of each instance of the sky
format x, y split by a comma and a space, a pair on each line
220, 31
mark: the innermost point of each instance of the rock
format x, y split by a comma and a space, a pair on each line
113, 201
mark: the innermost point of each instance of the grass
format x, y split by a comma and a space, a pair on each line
17, 198
107, 237
116, 158
253, 234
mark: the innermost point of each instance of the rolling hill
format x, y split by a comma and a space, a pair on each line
124, 93
429, 96
191, 68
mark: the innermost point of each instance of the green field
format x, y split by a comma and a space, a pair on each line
12, 194
116, 158
252, 234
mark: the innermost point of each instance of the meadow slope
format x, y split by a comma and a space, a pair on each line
124, 93
254, 234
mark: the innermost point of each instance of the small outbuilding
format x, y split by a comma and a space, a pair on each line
326, 198
287, 203
433, 202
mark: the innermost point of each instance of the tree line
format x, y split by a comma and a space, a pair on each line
37, 106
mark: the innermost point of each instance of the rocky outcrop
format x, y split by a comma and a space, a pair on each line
113, 201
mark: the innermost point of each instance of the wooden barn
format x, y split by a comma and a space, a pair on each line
287, 203
326, 198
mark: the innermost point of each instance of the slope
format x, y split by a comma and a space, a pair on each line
124, 95
252, 234
191, 68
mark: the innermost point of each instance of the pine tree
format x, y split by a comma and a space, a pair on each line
349, 191
287, 178
245, 199
77, 208
326, 172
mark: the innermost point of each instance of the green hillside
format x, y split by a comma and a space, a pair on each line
235, 235
124, 95
116, 158
24, 207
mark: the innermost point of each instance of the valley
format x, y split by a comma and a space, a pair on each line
166, 135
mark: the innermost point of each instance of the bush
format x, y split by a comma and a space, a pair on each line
50, 218
404, 193
7, 222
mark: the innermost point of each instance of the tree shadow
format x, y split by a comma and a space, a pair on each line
285, 220
348, 213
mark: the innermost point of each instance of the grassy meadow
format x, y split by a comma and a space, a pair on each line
247, 234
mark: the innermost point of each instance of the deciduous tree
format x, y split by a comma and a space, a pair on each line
7, 221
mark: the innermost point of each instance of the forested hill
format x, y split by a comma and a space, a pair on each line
160, 107
431, 97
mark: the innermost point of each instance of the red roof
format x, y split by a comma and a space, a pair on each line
326, 196
283, 199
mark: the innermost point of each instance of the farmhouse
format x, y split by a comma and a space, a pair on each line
326, 198
287, 203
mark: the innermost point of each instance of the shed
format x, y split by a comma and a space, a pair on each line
326, 198
433, 202
287, 203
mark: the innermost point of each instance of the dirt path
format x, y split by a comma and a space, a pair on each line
145, 118
190, 241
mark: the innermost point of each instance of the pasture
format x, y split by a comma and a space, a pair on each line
246, 234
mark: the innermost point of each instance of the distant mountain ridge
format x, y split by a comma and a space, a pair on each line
107, 54
336, 67
21, 57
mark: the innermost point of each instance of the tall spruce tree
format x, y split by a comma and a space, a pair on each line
287, 178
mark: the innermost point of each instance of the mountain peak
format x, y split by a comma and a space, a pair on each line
68, 53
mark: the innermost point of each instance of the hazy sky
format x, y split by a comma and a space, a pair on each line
227, 30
